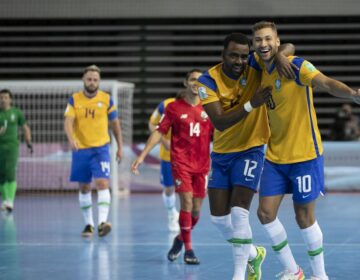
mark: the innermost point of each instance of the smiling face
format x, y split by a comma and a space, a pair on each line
266, 43
235, 58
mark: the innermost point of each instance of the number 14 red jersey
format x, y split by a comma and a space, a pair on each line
191, 132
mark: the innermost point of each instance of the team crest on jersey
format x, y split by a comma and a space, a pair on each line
243, 81
183, 116
202, 92
277, 84
99, 104
309, 66
204, 116
12, 117
177, 182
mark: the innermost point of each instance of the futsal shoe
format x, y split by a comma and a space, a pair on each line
88, 231
103, 229
190, 258
175, 250
254, 266
7, 206
286, 275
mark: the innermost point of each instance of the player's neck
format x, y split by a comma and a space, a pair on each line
90, 95
192, 99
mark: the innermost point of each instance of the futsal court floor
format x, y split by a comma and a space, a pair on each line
41, 240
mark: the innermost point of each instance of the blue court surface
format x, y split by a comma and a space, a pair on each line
41, 240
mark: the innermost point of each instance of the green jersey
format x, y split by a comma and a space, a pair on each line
10, 120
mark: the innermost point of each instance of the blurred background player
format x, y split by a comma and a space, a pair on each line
346, 125
228, 92
191, 132
294, 158
11, 118
87, 118
166, 178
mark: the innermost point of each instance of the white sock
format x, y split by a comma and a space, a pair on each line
86, 207
223, 224
169, 202
103, 205
242, 241
313, 238
278, 236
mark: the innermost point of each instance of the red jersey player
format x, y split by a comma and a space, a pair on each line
190, 159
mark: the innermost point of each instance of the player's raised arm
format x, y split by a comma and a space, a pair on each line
152, 141
336, 88
283, 65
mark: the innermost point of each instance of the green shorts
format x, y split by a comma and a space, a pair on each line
8, 157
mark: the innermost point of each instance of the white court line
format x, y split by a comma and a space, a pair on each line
148, 244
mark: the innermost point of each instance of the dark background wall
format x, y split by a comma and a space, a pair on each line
154, 43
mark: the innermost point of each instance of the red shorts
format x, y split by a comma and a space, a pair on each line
196, 183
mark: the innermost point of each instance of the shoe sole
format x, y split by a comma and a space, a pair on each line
192, 262
87, 235
105, 230
173, 258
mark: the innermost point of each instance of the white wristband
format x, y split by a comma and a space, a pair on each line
247, 106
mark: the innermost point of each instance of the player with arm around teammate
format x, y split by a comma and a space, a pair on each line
191, 132
11, 118
230, 95
88, 115
294, 157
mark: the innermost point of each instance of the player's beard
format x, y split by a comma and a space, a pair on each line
91, 90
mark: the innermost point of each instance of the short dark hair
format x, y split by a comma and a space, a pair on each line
238, 38
192, 71
6, 91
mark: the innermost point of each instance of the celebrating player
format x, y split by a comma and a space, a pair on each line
229, 94
11, 118
294, 161
87, 118
191, 132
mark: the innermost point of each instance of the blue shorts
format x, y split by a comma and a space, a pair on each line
236, 169
89, 163
305, 180
166, 177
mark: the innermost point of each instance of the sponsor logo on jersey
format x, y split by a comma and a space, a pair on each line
277, 84
202, 92
204, 116
177, 182
183, 116
243, 81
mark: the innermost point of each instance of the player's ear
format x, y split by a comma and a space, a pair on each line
278, 41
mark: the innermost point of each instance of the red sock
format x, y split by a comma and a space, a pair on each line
194, 221
185, 227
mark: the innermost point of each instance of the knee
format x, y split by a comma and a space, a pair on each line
102, 184
265, 215
304, 219
169, 191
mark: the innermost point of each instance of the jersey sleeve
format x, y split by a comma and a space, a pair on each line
156, 115
166, 120
207, 89
306, 71
255, 62
69, 111
112, 112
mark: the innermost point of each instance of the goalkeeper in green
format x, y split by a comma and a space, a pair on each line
11, 118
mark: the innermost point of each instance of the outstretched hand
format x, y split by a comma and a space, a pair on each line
134, 166
284, 67
261, 96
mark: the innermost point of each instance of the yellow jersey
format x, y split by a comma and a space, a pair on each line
295, 135
214, 85
155, 119
92, 115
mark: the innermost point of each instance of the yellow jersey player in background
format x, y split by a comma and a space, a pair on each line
87, 118
166, 178
229, 94
294, 161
